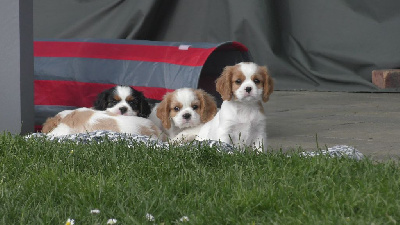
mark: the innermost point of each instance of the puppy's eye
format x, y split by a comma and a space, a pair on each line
257, 81
176, 109
112, 102
195, 107
238, 81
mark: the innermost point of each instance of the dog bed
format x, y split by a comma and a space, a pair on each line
101, 136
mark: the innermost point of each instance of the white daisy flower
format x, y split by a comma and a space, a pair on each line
112, 221
70, 222
95, 211
184, 219
150, 217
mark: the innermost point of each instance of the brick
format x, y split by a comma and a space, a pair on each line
386, 78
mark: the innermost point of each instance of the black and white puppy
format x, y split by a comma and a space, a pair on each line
123, 100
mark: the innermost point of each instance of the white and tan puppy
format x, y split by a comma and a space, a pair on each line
181, 113
83, 120
241, 120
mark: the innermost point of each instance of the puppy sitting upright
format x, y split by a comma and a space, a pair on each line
123, 100
181, 113
241, 119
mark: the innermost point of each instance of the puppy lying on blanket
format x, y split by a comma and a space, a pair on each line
84, 120
116, 109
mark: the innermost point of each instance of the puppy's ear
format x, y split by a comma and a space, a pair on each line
101, 101
208, 107
51, 123
268, 83
144, 107
163, 111
223, 83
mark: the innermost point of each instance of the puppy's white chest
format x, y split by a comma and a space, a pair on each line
243, 122
250, 126
243, 114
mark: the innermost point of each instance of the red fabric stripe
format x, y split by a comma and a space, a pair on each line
79, 94
149, 53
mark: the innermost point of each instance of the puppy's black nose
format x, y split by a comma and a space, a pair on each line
123, 110
186, 116
248, 89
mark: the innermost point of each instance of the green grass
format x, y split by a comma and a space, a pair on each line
43, 182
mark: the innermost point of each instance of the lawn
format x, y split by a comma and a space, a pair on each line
44, 182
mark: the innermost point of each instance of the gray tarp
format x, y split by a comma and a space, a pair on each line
325, 45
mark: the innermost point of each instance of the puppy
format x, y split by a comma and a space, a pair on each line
181, 113
84, 120
241, 120
123, 100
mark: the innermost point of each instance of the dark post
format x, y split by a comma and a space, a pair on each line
16, 66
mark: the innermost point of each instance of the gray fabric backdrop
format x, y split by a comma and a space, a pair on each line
321, 45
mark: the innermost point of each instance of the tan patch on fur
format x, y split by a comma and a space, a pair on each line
156, 130
105, 124
77, 118
163, 111
207, 107
223, 83
259, 77
51, 123
196, 102
129, 98
174, 103
268, 82
152, 131
117, 98
237, 75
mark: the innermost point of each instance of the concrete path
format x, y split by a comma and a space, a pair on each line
370, 122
